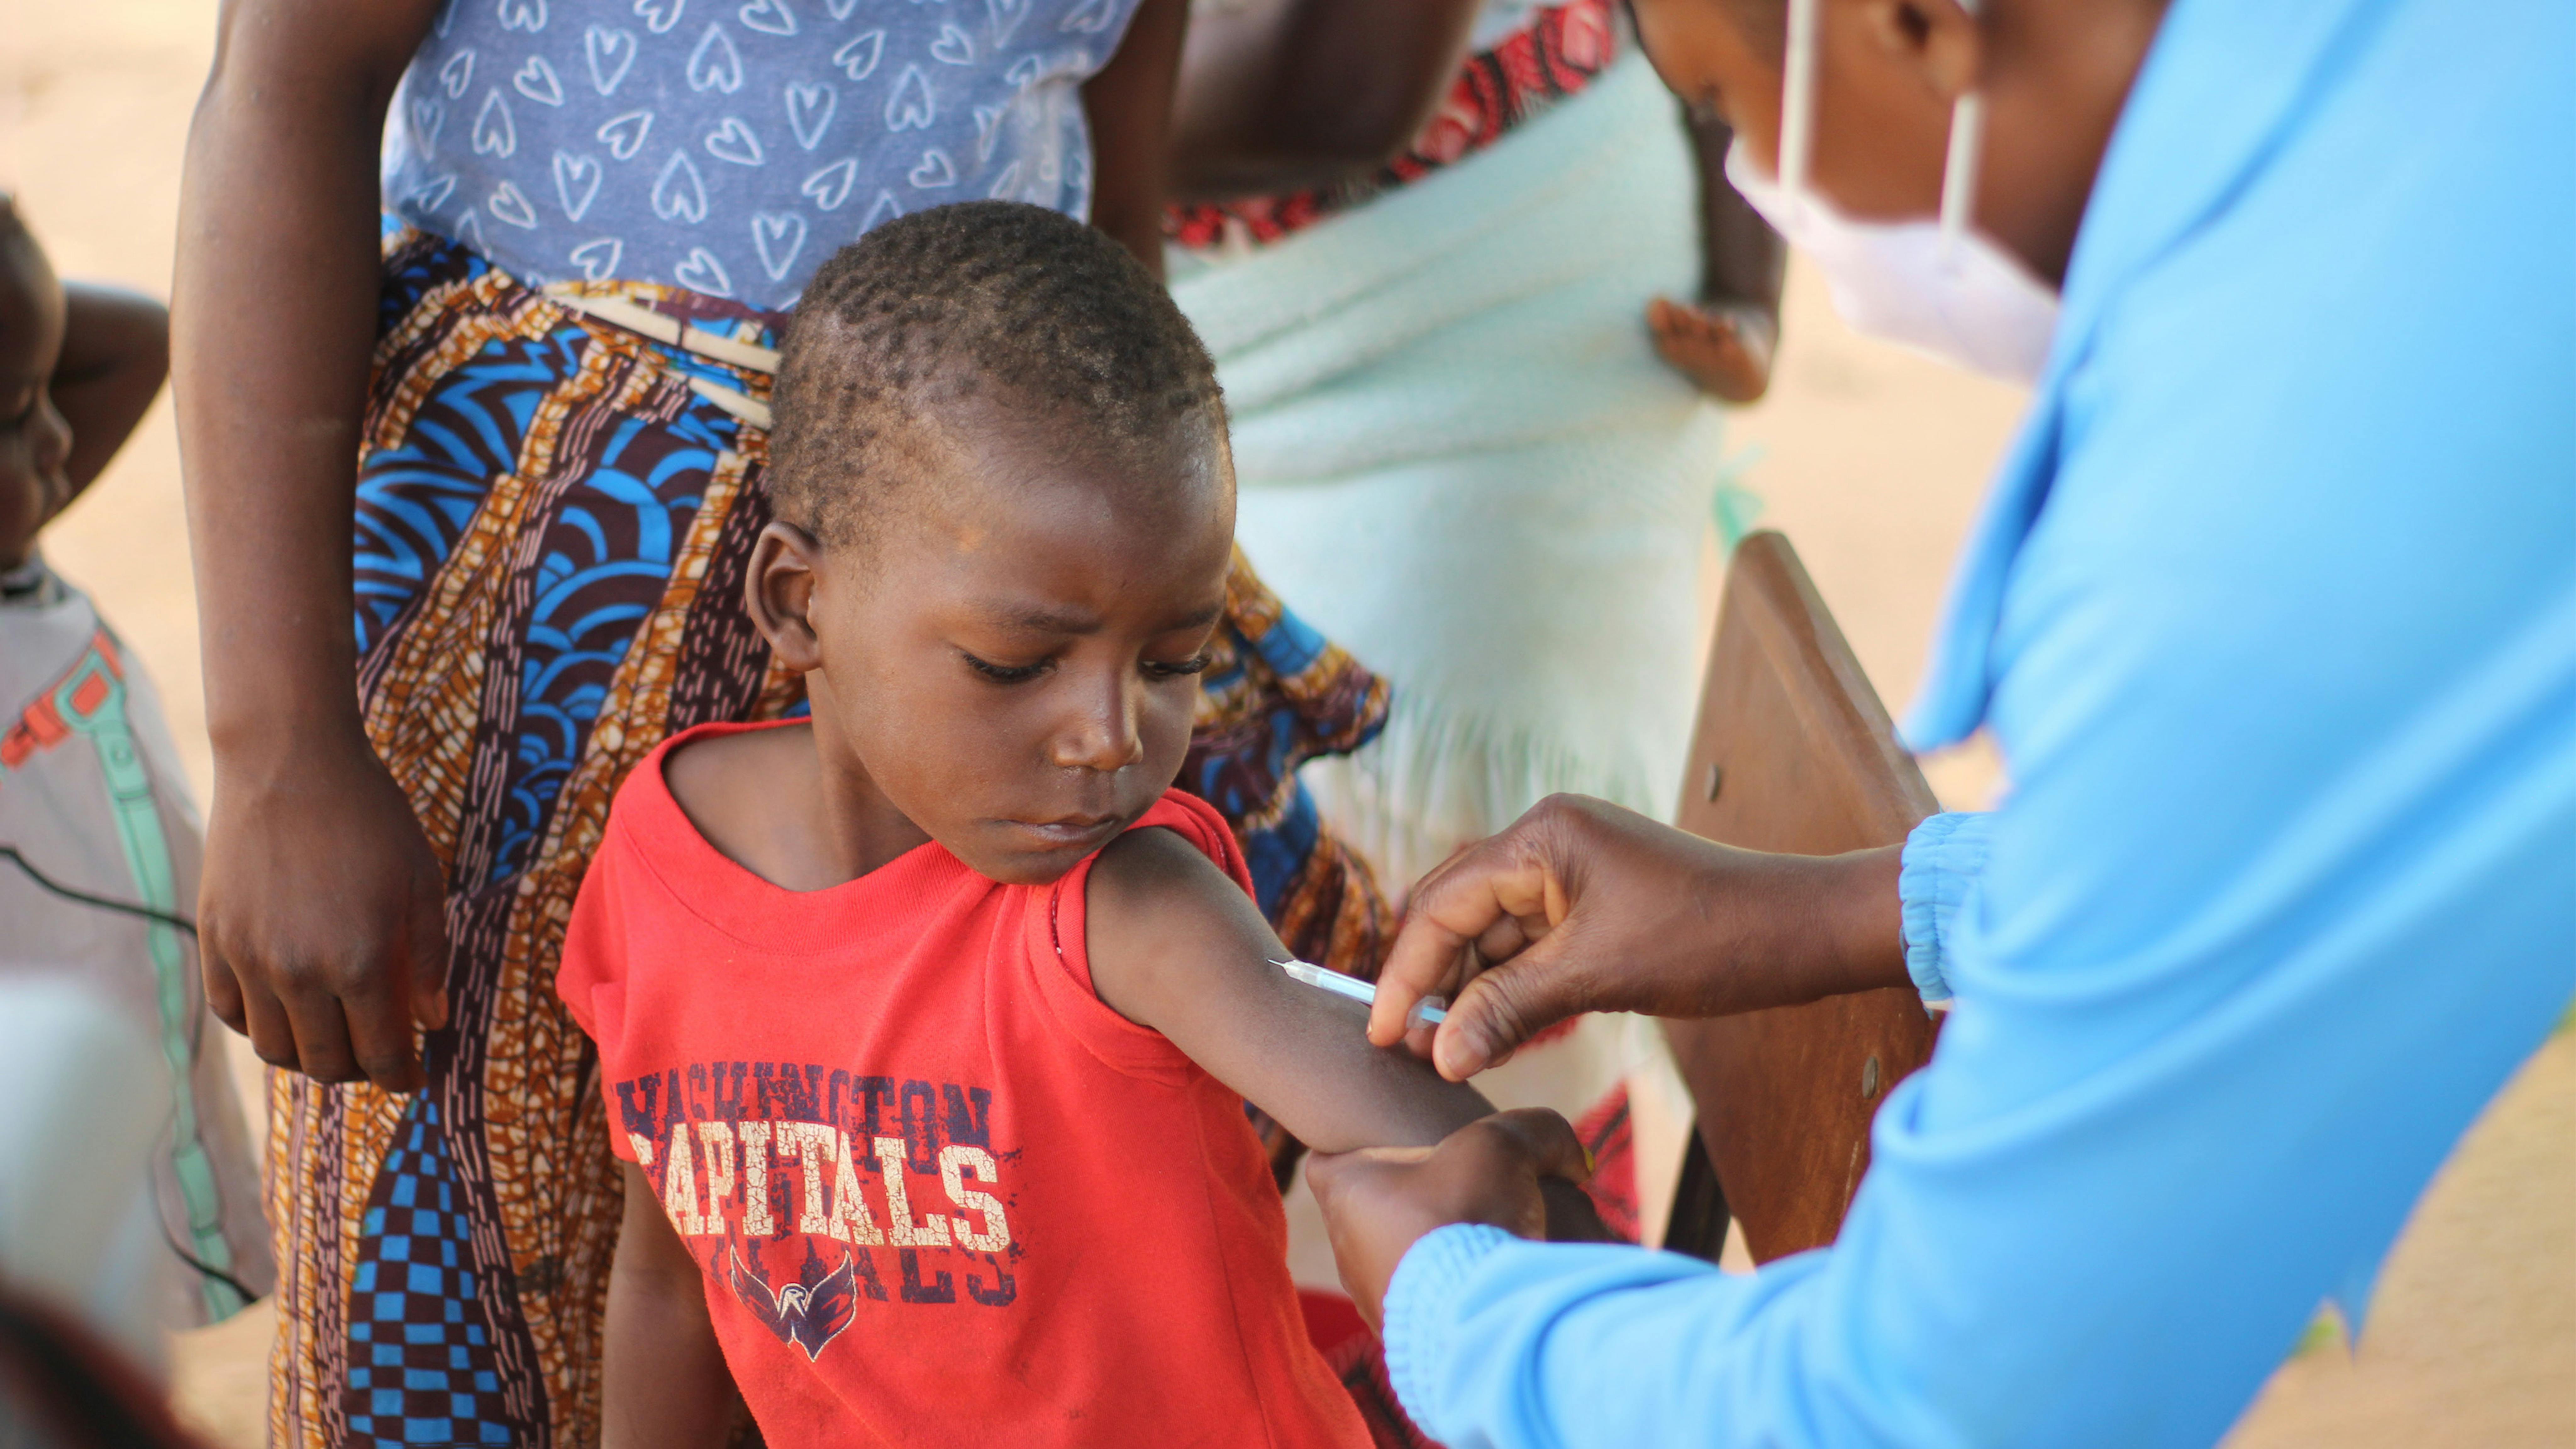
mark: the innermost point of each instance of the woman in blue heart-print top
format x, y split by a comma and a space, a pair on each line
508, 275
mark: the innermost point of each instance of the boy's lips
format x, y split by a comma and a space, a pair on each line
1069, 829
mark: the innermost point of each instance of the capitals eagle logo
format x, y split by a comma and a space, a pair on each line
808, 1315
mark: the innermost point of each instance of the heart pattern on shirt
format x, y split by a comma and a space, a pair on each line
830, 186
913, 108
769, 17
611, 54
680, 193
625, 134
426, 117
932, 171
598, 259
988, 130
592, 148
494, 134
537, 81
508, 203
1006, 16
577, 181
715, 65
778, 237
701, 272
858, 59
733, 141
809, 110
431, 194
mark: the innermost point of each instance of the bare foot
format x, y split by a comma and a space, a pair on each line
1724, 348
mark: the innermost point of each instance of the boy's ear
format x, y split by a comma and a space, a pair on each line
778, 590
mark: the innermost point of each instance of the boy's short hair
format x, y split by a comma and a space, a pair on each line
981, 297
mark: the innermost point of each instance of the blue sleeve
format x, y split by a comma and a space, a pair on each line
1943, 857
2285, 675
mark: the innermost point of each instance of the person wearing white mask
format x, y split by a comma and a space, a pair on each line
2272, 613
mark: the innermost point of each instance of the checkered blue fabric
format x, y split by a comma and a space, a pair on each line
421, 1369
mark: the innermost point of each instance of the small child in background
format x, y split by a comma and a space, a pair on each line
99, 852
925, 1025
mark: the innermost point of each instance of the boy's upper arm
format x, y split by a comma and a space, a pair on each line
1178, 947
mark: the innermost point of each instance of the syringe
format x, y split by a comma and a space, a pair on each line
1429, 1011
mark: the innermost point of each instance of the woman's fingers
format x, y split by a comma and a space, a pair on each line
1507, 1004
223, 989
1378, 1203
272, 1037
1488, 898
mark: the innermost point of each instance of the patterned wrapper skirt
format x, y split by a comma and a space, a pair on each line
553, 519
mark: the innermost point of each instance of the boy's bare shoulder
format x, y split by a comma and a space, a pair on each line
1159, 915
728, 784
1155, 870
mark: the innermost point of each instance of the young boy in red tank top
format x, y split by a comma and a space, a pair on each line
925, 1026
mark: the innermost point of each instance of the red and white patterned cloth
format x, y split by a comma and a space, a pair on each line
1556, 55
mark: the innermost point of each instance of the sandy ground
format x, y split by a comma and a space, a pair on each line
1872, 461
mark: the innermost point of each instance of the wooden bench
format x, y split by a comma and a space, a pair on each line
1792, 752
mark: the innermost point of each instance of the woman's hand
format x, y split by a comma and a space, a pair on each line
320, 917
1723, 349
1378, 1202
1583, 906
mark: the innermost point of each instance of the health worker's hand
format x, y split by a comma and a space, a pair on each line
1583, 906
1379, 1201
321, 917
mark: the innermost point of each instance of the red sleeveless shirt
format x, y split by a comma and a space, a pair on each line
940, 1192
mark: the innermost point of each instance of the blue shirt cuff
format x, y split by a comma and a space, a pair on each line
1943, 858
1428, 1283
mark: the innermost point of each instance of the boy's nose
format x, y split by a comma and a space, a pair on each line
1104, 736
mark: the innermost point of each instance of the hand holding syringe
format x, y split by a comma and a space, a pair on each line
1428, 1011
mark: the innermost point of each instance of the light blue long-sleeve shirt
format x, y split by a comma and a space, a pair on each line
2273, 614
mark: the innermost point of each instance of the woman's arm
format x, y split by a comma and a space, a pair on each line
320, 909
1129, 106
1583, 906
116, 351
1279, 95
664, 1384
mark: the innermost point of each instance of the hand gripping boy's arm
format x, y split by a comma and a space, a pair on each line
1178, 947
665, 1381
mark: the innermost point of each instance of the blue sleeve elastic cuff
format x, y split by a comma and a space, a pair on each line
1428, 1282
1943, 857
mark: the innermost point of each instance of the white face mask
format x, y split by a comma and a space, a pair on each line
1939, 286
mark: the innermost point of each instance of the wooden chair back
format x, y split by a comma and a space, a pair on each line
1792, 752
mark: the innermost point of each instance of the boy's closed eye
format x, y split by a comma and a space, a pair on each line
1001, 672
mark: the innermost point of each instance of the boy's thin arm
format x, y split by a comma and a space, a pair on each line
664, 1384
1178, 947
116, 351
320, 911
